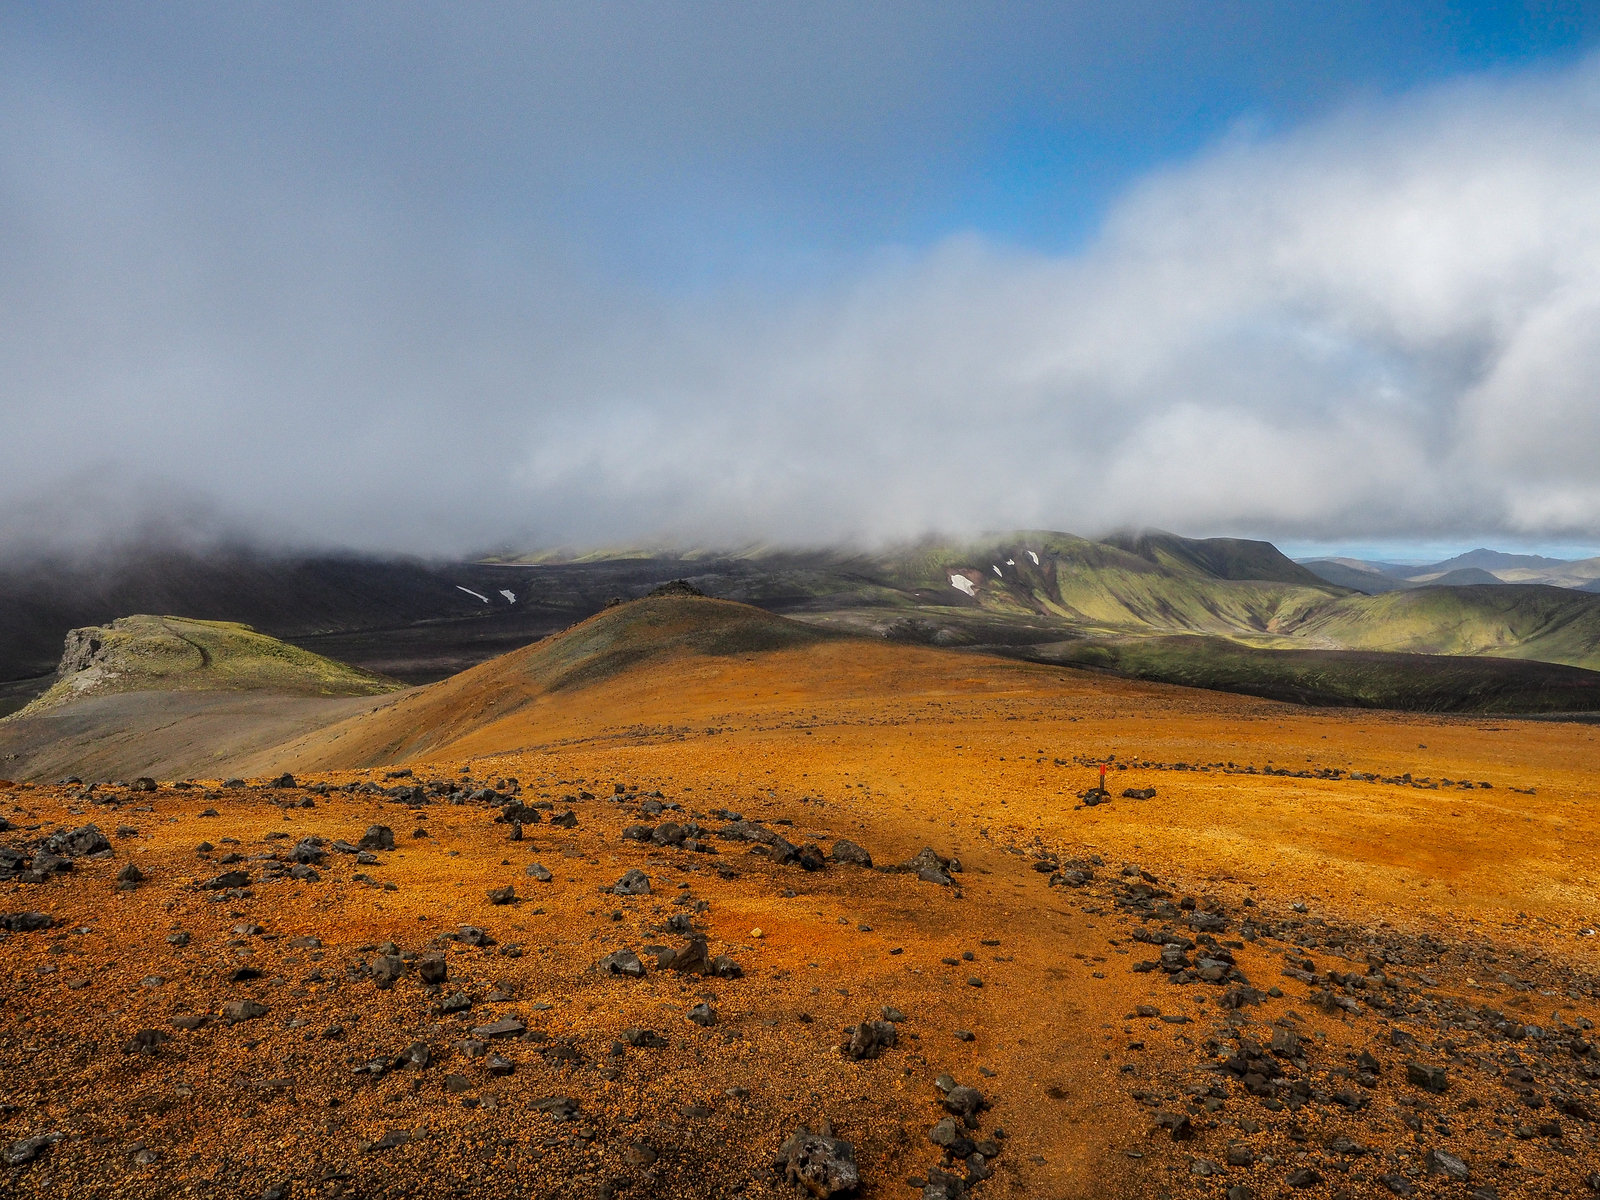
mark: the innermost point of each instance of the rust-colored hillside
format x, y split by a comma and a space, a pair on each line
1333, 953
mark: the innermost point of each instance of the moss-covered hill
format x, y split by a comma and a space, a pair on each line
148, 653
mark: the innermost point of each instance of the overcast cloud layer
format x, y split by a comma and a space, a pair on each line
1378, 323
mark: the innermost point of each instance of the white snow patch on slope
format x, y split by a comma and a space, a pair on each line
962, 584
470, 592
511, 597
1033, 556
997, 572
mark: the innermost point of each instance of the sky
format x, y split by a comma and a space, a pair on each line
444, 278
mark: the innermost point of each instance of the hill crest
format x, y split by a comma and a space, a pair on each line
145, 653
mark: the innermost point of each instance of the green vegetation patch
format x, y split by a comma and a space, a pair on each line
148, 653
1347, 678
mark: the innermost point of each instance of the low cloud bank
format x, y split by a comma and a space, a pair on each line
1378, 326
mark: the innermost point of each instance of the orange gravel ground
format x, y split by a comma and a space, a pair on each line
897, 749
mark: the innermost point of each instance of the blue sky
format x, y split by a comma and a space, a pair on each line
735, 271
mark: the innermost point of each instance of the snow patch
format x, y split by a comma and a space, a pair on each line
470, 592
997, 572
962, 584
1011, 562
511, 597
1033, 556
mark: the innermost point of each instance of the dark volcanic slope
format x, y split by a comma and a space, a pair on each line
1353, 678
403, 618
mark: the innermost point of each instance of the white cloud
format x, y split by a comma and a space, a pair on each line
1379, 325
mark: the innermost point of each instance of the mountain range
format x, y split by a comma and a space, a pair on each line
1475, 566
1224, 613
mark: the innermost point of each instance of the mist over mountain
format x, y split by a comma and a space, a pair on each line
534, 302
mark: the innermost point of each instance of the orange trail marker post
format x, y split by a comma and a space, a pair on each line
1102, 779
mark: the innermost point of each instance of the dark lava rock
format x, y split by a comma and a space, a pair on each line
433, 968
622, 962
28, 1149
191, 1022
931, 867
964, 1102
694, 958
146, 1041
377, 837
502, 895
1302, 1177
645, 1038
634, 882
1177, 1124
471, 935
235, 1011
559, 1108
499, 1064
228, 879
1139, 793
810, 858
285, 780
846, 851
79, 843
26, 922
566, 820
868, 1040
1442, 1162
538, 873
387, 968
823, 1165
1433, 1079
504, 1027
391, 1140
703, 1014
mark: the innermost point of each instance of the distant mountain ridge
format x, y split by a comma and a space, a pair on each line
1476, 566
1039, 594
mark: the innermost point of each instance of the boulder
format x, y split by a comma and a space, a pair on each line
377, 837
634, 882
846, 851
824, 1166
